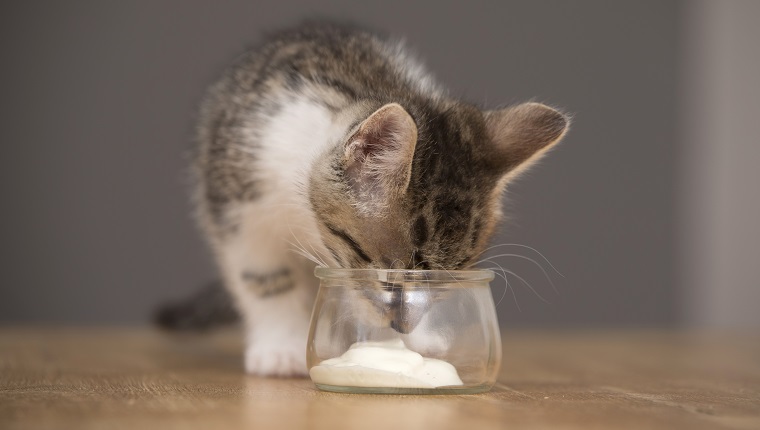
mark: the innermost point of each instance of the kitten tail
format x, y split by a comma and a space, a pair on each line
208, 308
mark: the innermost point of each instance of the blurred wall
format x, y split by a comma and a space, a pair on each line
98, 107
719, 177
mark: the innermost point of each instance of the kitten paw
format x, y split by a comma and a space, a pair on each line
429, 344
283, 360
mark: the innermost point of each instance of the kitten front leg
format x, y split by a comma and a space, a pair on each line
277, 323
275, 292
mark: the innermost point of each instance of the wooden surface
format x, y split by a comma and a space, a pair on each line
142, 379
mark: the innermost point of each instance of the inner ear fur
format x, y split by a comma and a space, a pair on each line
382, 148
378, 156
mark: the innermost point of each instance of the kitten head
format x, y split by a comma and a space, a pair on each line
420, 188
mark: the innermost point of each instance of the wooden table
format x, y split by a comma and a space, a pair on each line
140, 379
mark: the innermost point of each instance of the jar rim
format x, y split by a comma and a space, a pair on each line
395, 275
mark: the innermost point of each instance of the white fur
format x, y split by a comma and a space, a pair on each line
291, 142
272, 225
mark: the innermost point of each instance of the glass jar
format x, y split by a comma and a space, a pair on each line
404, 332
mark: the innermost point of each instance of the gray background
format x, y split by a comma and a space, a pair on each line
98, 105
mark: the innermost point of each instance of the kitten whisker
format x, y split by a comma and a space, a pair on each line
506, 286
318, 254
303, 248
426, 275
302, 252
527, 284
449, 272
490, 259
305, 255
314, 258
522, 246
415, 268
411, 259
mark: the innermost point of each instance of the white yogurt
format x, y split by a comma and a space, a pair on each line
384, 364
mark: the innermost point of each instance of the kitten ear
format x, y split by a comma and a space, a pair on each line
522, 134
379, 154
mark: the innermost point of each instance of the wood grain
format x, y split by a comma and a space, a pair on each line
140, 379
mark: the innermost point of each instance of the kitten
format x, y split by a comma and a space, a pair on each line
334, 142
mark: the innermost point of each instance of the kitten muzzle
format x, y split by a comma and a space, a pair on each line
407, 309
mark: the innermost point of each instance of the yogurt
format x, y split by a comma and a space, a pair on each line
384, 364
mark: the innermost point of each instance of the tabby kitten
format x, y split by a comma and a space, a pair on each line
334, 142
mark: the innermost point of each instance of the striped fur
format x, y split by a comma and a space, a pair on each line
335, 141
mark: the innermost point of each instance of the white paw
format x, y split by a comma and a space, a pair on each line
283, 359
428, 344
